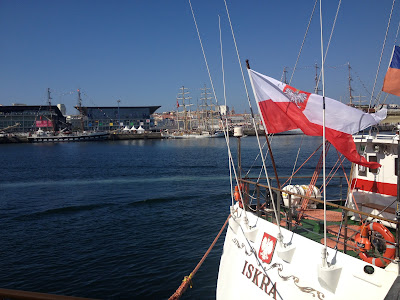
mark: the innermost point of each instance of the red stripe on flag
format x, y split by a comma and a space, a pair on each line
277, 121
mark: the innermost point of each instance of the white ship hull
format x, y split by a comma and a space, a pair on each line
180, 135
244, 275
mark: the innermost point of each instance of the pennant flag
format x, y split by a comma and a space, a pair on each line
283, 108
177, 104
391, 83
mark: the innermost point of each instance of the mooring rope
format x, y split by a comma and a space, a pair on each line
187, 280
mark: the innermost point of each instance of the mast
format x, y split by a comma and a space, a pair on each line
177, 113
183, 97
350, 89
269, 147
284, 75
80, 110
324, 250
316, 90
50, 109
49, 97
398, 201
119, 116
198, 117
190, 119
359, 99
207, 103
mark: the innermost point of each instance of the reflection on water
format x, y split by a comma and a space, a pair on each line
123, 219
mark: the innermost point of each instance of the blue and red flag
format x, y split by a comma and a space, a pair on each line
391, 83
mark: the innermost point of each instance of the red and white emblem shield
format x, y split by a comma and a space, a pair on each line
267, 248
299, 98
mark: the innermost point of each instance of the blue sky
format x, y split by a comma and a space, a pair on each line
142, 52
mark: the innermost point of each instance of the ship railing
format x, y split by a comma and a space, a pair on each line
290, 222
380, 136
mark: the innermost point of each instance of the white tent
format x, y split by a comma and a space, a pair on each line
140, 129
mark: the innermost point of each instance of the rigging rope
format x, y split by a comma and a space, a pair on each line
397, 33
304, 39
253, 118
304, 202
225, 102
326, 52
380, 59
226, 133
329, 41
348, 180
312, 154
362, 83
333, 170
297, 157
395, 42
313, 67
254, 161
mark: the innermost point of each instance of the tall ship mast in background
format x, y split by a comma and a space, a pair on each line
182, 95
207, 111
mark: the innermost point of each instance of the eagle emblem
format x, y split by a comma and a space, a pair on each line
299, 98
267, 248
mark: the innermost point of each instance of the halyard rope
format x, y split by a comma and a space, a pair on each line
253, 120
380, 59
226, 133
304, 39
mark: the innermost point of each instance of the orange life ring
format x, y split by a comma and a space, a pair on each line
364, 244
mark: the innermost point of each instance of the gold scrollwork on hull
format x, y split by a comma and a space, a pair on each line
296, 280
240, 246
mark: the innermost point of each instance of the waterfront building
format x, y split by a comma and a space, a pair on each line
62, 108
28, 118
114, 117
20, 118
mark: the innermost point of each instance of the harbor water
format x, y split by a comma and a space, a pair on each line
121, 219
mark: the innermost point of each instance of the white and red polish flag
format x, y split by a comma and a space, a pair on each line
284, 108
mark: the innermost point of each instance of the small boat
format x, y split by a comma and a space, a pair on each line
218, 134
187, 135
295, 131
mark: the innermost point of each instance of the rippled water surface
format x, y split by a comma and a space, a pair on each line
119, 220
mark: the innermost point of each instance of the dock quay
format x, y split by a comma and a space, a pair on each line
111, 136
117, 136
134, 136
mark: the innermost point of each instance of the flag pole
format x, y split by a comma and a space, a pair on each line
268, 144
324, 251
276, 211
